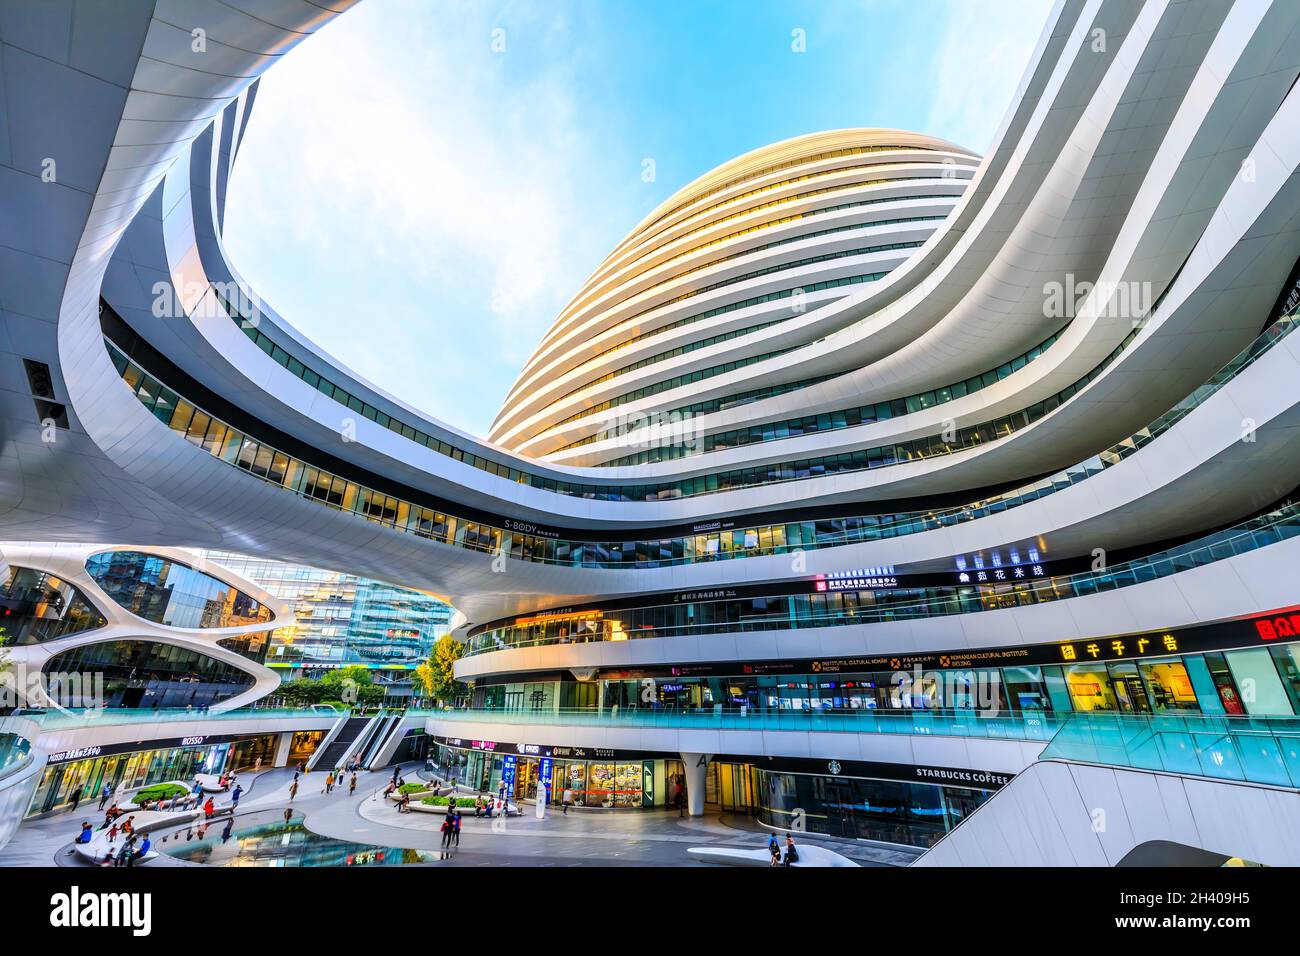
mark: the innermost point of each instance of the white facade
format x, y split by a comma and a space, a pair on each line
1073, 347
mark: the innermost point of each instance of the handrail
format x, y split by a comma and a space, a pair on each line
1264, 750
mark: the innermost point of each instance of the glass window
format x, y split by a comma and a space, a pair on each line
168, 592
1258, 680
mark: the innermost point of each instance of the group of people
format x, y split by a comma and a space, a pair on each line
335, 779
774, 848
485, 806
129, 851
451, 825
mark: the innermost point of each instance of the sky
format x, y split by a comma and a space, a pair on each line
424, 184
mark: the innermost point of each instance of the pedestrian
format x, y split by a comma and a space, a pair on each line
455, 826
329, 782
352, 784
104, 794
75, 797
293, 788
501, 792
234, 797
446, 831
112, 833
257, 765
568, 799
209, 808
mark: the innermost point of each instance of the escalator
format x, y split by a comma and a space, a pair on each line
332, 754
383, 744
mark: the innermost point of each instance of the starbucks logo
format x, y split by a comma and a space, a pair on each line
834, 767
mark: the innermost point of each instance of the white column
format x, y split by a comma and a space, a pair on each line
282, 750
696, 766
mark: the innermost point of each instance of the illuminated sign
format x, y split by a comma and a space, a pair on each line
1017, 572
1119, 647
859, 580
1281, 627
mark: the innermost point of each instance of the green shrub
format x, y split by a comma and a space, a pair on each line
465, 803
161, 791
413, 787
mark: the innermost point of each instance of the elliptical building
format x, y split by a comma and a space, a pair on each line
866, 484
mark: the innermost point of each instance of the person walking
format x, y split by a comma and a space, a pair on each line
446, 831
75, 797
352, 784
455, 826
329, 782
293, 789
234, 797
568, 799
104, 794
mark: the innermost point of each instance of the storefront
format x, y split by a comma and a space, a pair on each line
126, 766
303, 745
587, 776
858, 808
1201, 669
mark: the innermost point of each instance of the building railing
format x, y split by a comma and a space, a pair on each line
115, 716
1262, 750
16, 752
1027, 725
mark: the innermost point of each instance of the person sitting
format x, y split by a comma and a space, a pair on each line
791, 854
774, 848
87, 832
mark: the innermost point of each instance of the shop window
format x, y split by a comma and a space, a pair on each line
1090, 687
1170, 686
1258, 680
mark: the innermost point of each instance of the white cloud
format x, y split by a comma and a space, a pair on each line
454, 170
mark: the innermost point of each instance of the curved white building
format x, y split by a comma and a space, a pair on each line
734, 270
147, 629
854, 446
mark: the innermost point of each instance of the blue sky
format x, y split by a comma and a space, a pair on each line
422, 205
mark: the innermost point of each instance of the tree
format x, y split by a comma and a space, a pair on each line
352, 685
437, 675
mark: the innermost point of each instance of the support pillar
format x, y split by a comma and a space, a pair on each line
696, 767
282, 747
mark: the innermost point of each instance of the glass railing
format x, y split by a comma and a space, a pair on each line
269, 464
796, 611
1262, 750
1028, 725
15, 752
113, 716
